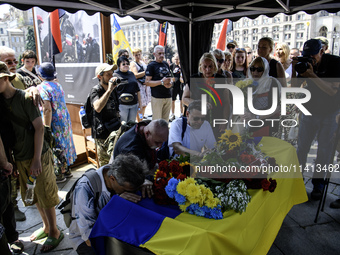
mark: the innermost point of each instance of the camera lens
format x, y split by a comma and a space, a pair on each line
301, 67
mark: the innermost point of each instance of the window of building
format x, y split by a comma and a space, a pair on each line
300, 26
299, 35
255, 22
300, 17
323, 31
255, 30
324, 13
1, 30
255, 38
3, 43
245, 39
276, 19
299, 44
237, 32
276, 37
173, 42
245, 32
265, 30
276, 28
13, 39
287, 36
265, 20
288, 18
287, 27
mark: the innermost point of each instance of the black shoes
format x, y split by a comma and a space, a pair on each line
316, 194
335, 204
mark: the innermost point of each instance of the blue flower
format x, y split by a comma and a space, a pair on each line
170, 189
180, 199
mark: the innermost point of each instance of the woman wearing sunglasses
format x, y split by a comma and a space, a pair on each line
205, 79
264, 49
220, 58
128, 91
262, 96
240, 66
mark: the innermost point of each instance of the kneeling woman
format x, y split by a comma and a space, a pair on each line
263, 97
128, 91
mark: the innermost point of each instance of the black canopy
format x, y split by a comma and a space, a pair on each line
193, 20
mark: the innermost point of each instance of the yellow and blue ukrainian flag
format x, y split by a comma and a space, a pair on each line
119, 41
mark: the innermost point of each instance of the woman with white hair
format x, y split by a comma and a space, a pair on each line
263, 85
282, 55
205, 80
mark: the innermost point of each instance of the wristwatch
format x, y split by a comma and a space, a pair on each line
162, 82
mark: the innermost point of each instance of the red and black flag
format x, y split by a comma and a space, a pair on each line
227, 27
162, 33
56, 44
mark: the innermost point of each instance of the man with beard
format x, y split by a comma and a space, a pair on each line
105, 105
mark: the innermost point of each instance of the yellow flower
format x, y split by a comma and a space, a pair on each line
193, 193
190, 180
232, 139
244, 83
184, 207
182, 188
211, 203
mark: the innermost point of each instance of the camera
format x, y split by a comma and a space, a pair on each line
302, 65
117, 81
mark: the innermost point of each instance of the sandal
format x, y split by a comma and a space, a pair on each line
52, 242
39, 234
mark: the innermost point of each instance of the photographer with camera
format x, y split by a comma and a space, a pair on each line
104, 101
314, 67
158, 77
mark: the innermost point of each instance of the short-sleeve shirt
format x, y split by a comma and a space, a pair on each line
158, 71
128, 85
22, 107
193, 139
132, 141
320, 102
108, 113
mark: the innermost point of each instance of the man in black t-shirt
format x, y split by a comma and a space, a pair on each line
322, 77
177, 89
106, 109
158, 77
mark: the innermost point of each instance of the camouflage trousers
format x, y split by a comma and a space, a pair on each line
103, 157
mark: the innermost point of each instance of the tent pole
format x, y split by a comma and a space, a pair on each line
190, 43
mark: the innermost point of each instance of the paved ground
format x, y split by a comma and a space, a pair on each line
298, 234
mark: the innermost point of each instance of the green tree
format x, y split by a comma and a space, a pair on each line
169, 51
30, 39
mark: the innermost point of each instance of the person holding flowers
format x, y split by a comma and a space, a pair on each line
197, 133
263, 85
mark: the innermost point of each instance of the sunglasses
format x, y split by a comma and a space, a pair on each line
243, 49
220, 60
258, 69
125, 64
231, 46
199, 118
249, 52
10, 62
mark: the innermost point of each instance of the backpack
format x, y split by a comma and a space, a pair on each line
163, 153
87, 118
66, 206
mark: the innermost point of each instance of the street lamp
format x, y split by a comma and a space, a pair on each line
335, 45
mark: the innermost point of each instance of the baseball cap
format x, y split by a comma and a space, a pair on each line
311, 47
104, 68
5, 72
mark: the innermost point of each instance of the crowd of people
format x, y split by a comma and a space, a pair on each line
122, 94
